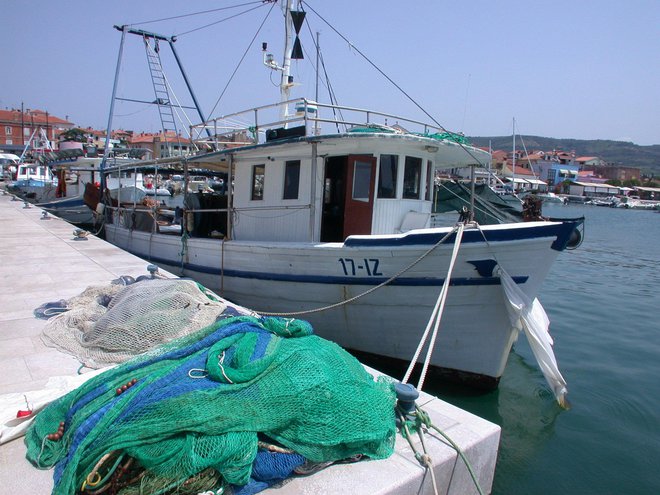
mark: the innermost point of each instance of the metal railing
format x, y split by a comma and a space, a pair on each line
249, 126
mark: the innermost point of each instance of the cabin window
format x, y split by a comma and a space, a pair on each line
361, 181
387, 176
430, 180
291, 179
411, 177
258, 175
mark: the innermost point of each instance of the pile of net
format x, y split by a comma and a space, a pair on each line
239, 404
110, 324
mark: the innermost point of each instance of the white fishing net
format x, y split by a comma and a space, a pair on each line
110, 324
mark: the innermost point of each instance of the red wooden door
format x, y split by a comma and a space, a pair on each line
359, 201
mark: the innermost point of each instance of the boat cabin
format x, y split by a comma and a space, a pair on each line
376, 191
297, 184
34, 172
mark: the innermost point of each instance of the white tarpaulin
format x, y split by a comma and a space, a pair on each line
530, 316
12, 426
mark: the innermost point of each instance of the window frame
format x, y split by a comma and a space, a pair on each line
394, 175
430, 181
416, 162
288, 187
361, 171
255, 195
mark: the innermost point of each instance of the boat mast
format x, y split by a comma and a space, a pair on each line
106, 150
286, 81
513, 164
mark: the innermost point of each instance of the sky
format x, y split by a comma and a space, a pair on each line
587, 69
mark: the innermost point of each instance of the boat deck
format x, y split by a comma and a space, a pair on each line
41, 261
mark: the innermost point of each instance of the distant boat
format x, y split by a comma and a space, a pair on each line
609, 201
635, 203
549, 197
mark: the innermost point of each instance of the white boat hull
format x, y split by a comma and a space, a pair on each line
475, 335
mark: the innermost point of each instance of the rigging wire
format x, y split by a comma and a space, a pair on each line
414, 102
221, 20
241, 60
529, 162
146, 107
195, 13
352, 46
326, 83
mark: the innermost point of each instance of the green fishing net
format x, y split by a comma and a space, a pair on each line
191, 414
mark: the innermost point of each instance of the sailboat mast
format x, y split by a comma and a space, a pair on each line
513, 164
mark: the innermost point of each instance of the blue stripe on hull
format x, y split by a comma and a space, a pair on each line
560, 231
334, 280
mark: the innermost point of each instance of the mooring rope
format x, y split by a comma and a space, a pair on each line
369, 291
436, 315
423, 420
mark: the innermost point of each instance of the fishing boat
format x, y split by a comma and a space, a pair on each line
327, 217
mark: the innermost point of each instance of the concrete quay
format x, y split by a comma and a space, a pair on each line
41, 261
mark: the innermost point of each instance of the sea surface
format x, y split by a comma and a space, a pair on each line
603, 301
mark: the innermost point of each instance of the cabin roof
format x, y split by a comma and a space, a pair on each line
449, 154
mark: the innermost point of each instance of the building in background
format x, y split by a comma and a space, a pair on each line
35, 128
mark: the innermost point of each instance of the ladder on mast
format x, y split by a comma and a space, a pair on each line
161, 92
161, 88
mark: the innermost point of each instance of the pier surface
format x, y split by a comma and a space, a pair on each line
41, 261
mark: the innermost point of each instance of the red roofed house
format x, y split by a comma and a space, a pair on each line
18, 127
162, 146
586, 162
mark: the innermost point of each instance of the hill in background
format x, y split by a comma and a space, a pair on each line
619, 153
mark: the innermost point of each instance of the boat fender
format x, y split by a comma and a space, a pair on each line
104, 300
190, 221
100, 208
124, 280
50, 309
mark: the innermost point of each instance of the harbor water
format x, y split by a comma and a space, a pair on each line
602, 300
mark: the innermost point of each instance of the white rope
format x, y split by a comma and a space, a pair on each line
368, 291
436, 316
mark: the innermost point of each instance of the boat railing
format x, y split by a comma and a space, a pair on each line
149, 214
252, 126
